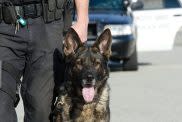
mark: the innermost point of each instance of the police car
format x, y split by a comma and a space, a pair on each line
158, 23
116, 15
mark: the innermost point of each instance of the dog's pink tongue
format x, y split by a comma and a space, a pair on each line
88, 93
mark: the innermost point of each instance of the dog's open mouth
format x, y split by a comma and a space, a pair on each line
88, 93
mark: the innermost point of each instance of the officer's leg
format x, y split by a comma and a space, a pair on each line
37, 92
7, 110
12, 49
38, 82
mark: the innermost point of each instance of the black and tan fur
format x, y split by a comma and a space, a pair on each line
86, 66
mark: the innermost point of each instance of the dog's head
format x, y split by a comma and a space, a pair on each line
88, 70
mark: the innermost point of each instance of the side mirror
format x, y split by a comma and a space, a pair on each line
137, 5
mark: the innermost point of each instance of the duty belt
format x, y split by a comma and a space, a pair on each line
29, 10
50, 10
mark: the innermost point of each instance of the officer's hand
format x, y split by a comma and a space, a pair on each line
81, 29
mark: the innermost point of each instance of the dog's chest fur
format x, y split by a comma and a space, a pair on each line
90, 112
85, 112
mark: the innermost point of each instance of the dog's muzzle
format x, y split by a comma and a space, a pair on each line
88, 81
88, 90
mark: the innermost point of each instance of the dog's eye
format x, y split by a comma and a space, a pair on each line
78, 62
97, 63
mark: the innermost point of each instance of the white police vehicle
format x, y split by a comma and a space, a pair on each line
157, 24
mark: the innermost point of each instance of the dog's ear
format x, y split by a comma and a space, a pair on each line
103, 43
71, 42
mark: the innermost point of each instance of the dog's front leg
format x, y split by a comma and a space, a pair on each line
66, 112
64, 105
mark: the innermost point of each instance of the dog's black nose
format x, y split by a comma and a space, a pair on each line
90, 77
88, 80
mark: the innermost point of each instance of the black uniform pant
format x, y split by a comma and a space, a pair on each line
31, 50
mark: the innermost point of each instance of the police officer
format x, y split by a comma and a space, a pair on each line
30, 33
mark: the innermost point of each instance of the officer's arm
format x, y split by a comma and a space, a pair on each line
82, 19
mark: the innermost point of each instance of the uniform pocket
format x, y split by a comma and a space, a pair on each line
1, 17
52, 5
60, 4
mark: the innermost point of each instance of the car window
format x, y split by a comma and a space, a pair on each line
106, 4
160, 4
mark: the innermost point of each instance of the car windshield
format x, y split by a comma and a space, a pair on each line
106, 4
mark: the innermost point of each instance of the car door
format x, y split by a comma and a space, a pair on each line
158, 23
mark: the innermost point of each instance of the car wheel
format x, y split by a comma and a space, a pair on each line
131, 64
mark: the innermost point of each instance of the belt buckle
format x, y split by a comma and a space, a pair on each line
30, 11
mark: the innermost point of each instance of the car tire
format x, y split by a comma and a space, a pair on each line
131, 64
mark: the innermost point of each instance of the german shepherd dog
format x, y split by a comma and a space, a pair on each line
86, 91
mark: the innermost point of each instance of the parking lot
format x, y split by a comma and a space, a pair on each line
152, 94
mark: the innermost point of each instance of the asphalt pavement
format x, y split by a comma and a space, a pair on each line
151, 94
